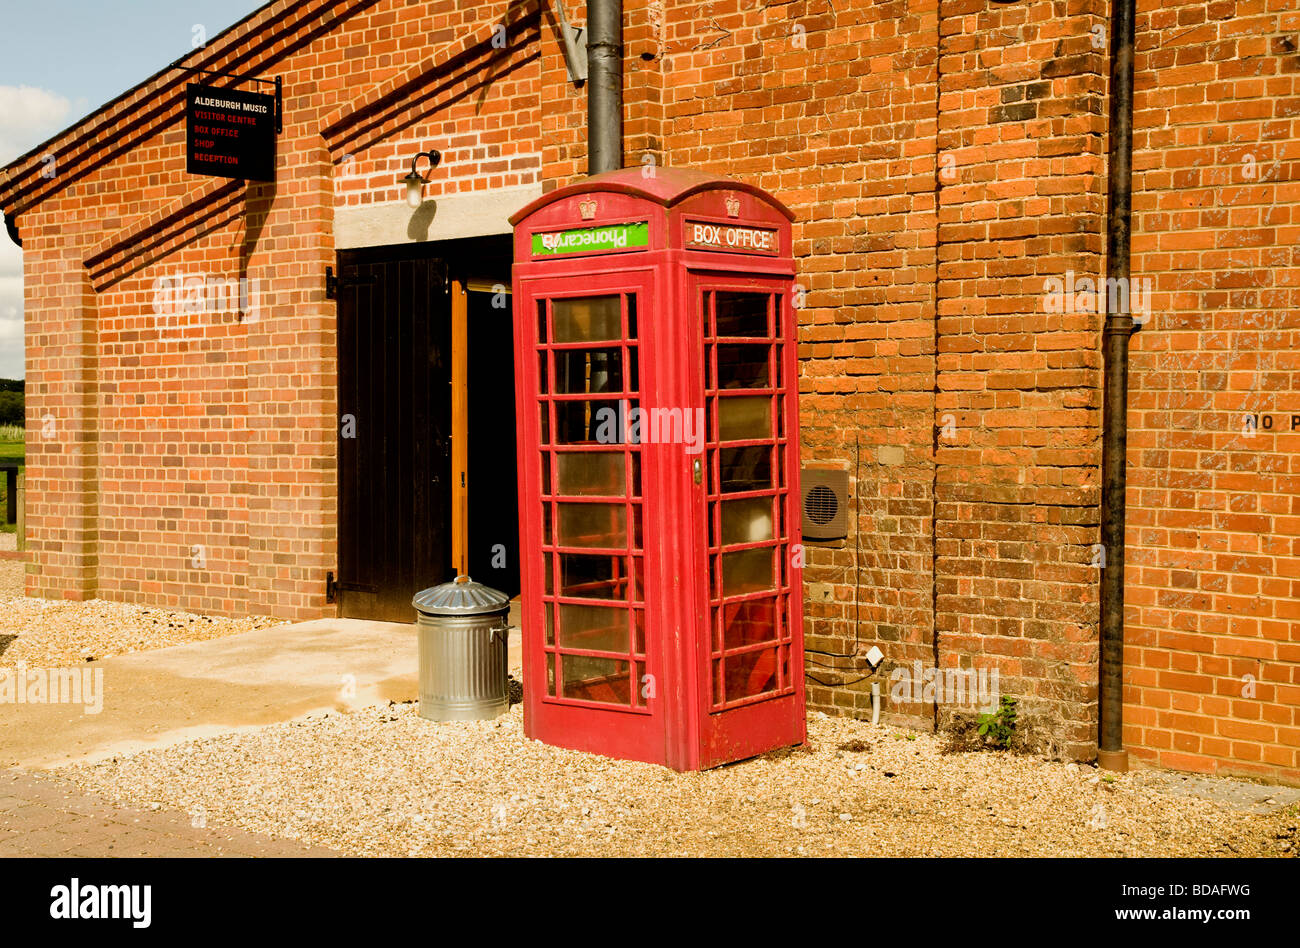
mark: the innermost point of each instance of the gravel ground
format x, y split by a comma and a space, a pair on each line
385, 782
11, 578
55, 633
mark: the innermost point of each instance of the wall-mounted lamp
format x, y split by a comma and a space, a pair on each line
415, 182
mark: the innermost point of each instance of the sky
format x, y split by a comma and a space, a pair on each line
60, 60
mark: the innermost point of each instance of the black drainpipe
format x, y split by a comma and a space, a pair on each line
604, 85
1115, 337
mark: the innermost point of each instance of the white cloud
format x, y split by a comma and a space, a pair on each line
12, 357
11, 331
11, 309
28, 116
11, 258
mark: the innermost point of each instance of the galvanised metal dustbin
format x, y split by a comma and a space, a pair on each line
463, 630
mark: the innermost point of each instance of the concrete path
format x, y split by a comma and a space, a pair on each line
166, 696
243, 681
44, 815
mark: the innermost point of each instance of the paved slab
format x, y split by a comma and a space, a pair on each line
44, 815
1241, 795
243, 681
166, 696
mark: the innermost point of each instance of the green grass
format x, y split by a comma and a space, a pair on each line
10, 450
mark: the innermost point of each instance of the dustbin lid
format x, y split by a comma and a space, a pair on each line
461, 597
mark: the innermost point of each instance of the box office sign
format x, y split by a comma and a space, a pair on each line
230, 133
735, 238
602, 239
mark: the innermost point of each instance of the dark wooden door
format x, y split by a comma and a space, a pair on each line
394, 352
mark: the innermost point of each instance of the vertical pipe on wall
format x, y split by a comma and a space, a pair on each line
1115, 342
604, 85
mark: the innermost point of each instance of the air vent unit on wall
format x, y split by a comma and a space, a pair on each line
825, 503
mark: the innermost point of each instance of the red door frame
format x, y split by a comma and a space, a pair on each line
630, 733
737, 732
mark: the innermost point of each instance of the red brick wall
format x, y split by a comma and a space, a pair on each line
1021, 128
193, 466
777, 95
1213, 563
967, 416
174, 429
62, 424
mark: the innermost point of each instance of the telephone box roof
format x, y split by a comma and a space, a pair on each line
666, 186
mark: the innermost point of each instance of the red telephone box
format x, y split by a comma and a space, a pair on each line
659, 460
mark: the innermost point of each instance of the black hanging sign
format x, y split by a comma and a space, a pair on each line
229, 133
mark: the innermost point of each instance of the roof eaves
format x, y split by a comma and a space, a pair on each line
26, 165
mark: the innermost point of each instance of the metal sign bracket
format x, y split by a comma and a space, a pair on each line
573, 38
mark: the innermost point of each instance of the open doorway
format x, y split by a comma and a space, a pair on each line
427, 467
493, 494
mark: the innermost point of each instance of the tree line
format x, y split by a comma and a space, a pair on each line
11, 402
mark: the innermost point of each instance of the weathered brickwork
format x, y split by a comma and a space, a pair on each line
191, 457
946, 162
778, 95
1213, 569
1021, 114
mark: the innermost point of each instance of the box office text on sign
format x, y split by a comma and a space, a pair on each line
733, 237
230, 134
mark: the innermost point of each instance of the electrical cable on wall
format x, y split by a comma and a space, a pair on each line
857, 585
857, 555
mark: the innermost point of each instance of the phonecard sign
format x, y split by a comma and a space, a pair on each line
229, 133
601, 238
737, 238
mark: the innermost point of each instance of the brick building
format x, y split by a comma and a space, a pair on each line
946, 164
